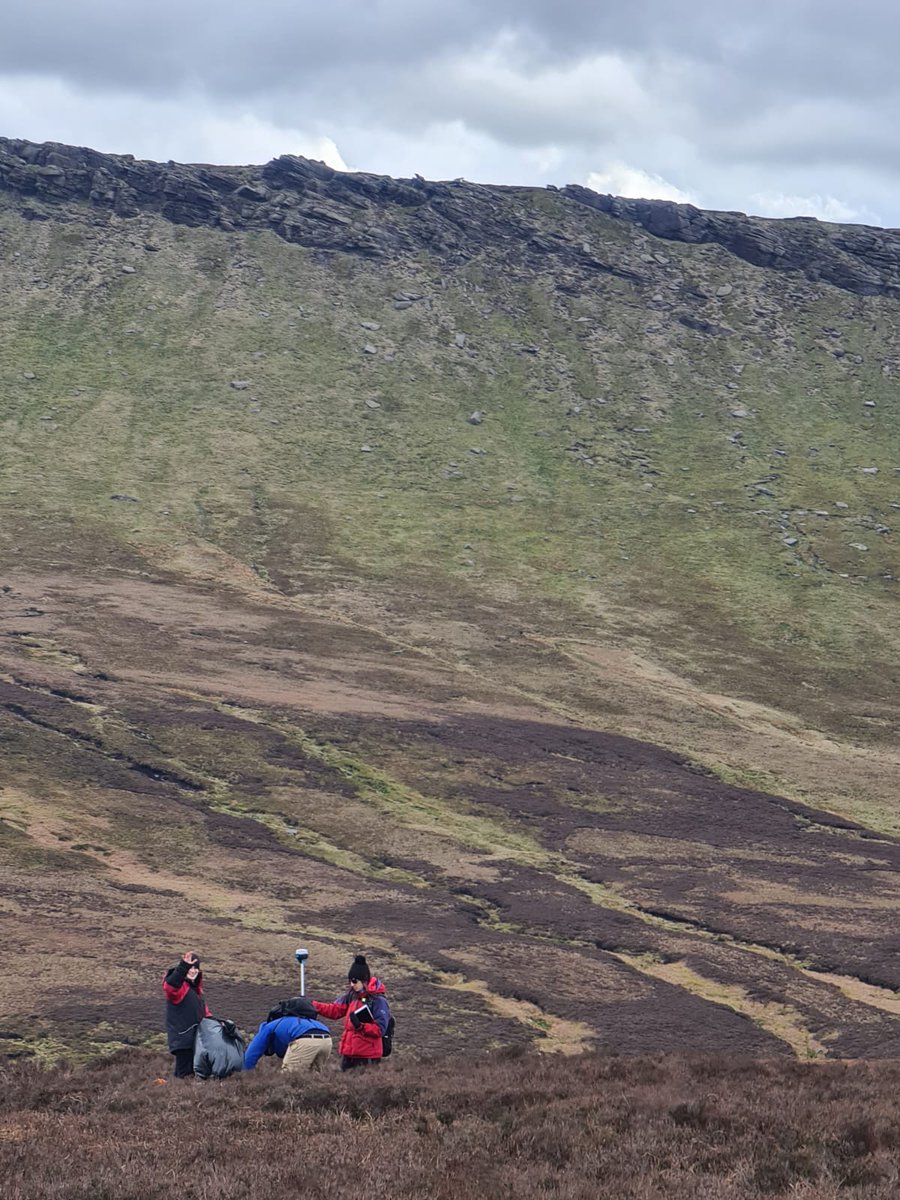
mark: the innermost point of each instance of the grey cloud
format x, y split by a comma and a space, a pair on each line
230, 46
240, 46
773, 84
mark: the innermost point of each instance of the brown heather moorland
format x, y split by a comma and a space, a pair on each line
469, 1128
236, 777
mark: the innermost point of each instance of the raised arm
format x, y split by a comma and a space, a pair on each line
175, 984
334, 1011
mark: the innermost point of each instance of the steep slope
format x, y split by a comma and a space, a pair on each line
464, 572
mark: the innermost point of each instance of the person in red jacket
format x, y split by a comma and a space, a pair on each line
360, 1044
185, 1009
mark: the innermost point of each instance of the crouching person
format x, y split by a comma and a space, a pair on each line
219, 1049
302, 1043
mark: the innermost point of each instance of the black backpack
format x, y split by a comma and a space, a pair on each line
387, 1038
296, 1006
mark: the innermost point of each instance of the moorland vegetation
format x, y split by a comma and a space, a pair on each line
508, 1125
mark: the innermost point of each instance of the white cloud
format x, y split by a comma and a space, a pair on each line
245, 138
826, 208
619, 179
186, 129
544, 159
498, 90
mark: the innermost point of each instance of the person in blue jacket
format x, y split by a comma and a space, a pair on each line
302, 1044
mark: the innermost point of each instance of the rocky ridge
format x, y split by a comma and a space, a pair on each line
311, 204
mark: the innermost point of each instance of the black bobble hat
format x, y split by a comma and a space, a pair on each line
359, 970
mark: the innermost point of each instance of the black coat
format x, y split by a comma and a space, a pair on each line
185, 1006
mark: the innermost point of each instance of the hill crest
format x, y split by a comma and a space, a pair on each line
311, 204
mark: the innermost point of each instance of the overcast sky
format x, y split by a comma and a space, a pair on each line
777, 107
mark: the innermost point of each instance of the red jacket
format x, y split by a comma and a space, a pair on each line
364, 1042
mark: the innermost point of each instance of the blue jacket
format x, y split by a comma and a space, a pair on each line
274, 1037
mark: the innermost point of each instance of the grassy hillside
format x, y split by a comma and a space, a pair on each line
342, 598
614, 485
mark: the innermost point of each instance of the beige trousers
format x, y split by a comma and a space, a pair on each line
307, 1054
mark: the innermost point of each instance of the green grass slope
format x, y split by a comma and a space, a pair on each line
610, 475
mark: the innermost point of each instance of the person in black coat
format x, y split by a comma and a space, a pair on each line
185, 1009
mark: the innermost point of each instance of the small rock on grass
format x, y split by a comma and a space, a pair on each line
858, 546
240, 385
